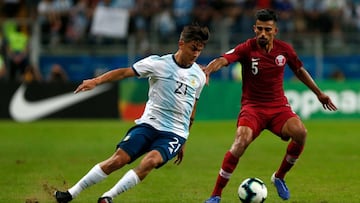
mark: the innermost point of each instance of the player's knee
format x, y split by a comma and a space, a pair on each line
240, 144
112, 164
298, 134
118, 160
146, 166
244, 136
295, 129
152, 160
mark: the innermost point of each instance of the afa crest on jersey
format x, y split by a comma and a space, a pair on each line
193, 82
280, 60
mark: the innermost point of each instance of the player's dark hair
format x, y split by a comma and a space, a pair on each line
195, 33
266, 15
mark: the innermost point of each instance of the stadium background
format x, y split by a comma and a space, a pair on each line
54, 151
66, 41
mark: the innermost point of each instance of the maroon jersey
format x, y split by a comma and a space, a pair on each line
263, 72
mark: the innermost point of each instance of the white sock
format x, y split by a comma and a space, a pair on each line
129, 180
95, 175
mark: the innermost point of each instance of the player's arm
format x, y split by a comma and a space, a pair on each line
180, 155
192, 117
214, 66
110, 76
305, 77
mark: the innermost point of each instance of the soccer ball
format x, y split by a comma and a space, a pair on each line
252, 190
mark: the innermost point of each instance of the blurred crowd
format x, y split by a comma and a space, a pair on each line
71, 21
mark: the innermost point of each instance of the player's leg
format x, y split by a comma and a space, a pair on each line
244, 136
136, 175
231, 158
98, 173
101, 171
293, 128
296, 130
249, 127
152, 160
162, 149
128, 150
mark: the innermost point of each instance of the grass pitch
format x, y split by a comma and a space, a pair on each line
38, 157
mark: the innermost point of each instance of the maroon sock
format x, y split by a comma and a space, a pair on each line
228, 166
292, 154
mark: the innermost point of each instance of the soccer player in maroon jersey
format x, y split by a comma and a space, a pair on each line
263, 103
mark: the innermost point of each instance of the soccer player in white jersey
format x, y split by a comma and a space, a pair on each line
175, 84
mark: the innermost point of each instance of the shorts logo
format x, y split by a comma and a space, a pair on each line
127, 138
280, 60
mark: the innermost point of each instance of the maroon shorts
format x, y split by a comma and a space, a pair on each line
258, 118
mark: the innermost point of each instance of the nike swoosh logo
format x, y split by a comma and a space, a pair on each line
25, 111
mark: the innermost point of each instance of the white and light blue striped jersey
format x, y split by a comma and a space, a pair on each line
172, 93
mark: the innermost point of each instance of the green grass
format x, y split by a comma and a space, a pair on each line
40, 156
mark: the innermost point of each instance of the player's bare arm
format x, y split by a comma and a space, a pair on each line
192, 117
180, 155
325, 100
214, 66
114, 75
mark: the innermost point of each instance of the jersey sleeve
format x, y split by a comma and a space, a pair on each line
237, 53
293, 60
145, 67
198, 91
201, 85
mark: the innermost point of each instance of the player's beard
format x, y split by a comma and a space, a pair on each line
262, 41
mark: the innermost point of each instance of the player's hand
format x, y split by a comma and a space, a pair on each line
326, 102
86, 85
180, 156
214, 66
207, 73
